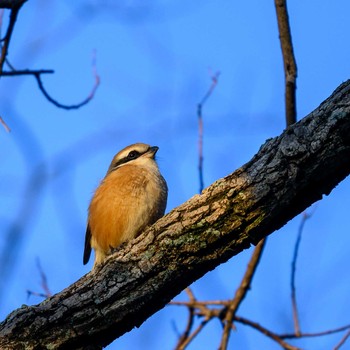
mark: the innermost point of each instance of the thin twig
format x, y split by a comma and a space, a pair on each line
201, 303
342, 341
315, 334
294, 261
185, 335
14, 72
76, 106
192, 335
202, 310
267, 332
44, 283
290, 67
305, 216
3, 123
37, 75
214, 81
36, 294
241, 293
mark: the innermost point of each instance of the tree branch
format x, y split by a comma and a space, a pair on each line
290, 66
11, 4
15, 6
241, 293
289, 173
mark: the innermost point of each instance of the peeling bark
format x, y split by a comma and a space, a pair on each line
289, 173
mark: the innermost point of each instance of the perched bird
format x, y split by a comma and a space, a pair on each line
132, 196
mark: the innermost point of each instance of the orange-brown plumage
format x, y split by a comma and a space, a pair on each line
132, 196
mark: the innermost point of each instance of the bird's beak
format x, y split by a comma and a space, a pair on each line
151, 152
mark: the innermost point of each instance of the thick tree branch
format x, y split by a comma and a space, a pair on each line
11, 4
289, 173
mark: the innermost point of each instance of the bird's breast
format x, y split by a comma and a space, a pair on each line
127, 200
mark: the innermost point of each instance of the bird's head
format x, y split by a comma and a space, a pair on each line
137, 154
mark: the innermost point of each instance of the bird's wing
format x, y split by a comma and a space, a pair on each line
87, 248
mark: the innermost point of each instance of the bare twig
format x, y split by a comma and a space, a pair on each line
185, 335
202, 309
192, 335
78, 105
315, 334
342, 341
241, 293
267, 332
15, 72
290, 67
44, 285
36, 294
3, 123
297, 331
214, 81
199, 304
37, 75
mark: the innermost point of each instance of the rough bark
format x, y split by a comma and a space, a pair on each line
11, 4
289, 173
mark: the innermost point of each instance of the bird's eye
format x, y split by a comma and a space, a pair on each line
133, 155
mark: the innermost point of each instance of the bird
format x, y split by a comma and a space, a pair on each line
132, 196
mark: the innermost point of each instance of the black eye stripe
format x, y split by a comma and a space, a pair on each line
131, 156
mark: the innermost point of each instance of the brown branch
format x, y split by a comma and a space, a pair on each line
199, 304
314, 334
267, 332
199, 309
193, 335
202, 310
342, 341
289, 173
185, 335
208, 314
290, 67
3, 123
241, 293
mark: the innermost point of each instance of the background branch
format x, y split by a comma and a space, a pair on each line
290, 67
15, 6
185, 336
214, 81
241, 293
37, 75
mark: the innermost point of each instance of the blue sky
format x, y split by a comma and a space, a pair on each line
155, 62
